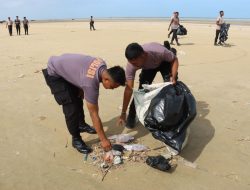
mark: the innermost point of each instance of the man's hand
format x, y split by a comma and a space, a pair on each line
106, 145
108, 157
128, 91
93, 110
173, 80
122, 119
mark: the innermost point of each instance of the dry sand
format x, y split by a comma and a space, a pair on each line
33, 132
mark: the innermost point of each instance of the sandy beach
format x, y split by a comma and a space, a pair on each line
35, 146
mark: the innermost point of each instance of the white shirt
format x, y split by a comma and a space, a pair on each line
220, 20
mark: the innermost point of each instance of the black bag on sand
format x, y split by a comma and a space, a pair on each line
159, 162
170, 113
181, 30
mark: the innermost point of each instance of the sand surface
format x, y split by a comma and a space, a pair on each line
33, 132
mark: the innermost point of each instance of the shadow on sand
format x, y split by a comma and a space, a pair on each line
201, 133
187, 44
113, 129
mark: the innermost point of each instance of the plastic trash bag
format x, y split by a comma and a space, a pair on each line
181, 30
144, 96
224, 32
167, 112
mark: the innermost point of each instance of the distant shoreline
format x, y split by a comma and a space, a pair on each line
234, 21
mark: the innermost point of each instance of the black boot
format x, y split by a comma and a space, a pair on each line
86, 128
80, 145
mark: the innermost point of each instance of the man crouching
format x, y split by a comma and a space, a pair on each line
74, 77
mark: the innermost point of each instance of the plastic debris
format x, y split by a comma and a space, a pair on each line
135, 147
117, 160
85, 157
122, 138
104, 165
118, 147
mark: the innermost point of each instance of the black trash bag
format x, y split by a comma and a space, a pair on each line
224, 32
170, 113
118, 147
159, 162
181, 30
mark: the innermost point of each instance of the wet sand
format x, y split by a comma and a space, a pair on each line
35, 146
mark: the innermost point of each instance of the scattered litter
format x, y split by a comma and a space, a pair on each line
118, 147
122, 138
54, 154
135, 147
21, 76
117, 160
85, 157
105, 173
104, 165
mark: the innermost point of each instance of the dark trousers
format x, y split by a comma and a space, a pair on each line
26, 29
91, 25
174, 37
18, 29
217, 33
147, 77
66, 95
10, 29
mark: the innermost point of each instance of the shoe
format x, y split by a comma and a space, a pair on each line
159, 162
178, 44
172, 43
87, 128
167, 45
168, 35
215, 44
130, 123
80, 145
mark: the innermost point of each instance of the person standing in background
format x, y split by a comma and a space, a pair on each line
91, 23
219, 22
9, 24
174, 24
18, 25
26, 26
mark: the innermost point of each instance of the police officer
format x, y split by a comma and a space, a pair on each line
74, 77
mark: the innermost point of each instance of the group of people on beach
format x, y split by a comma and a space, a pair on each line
175, 23
17, 23
74, 77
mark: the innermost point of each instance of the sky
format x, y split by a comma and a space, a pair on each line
67, 9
